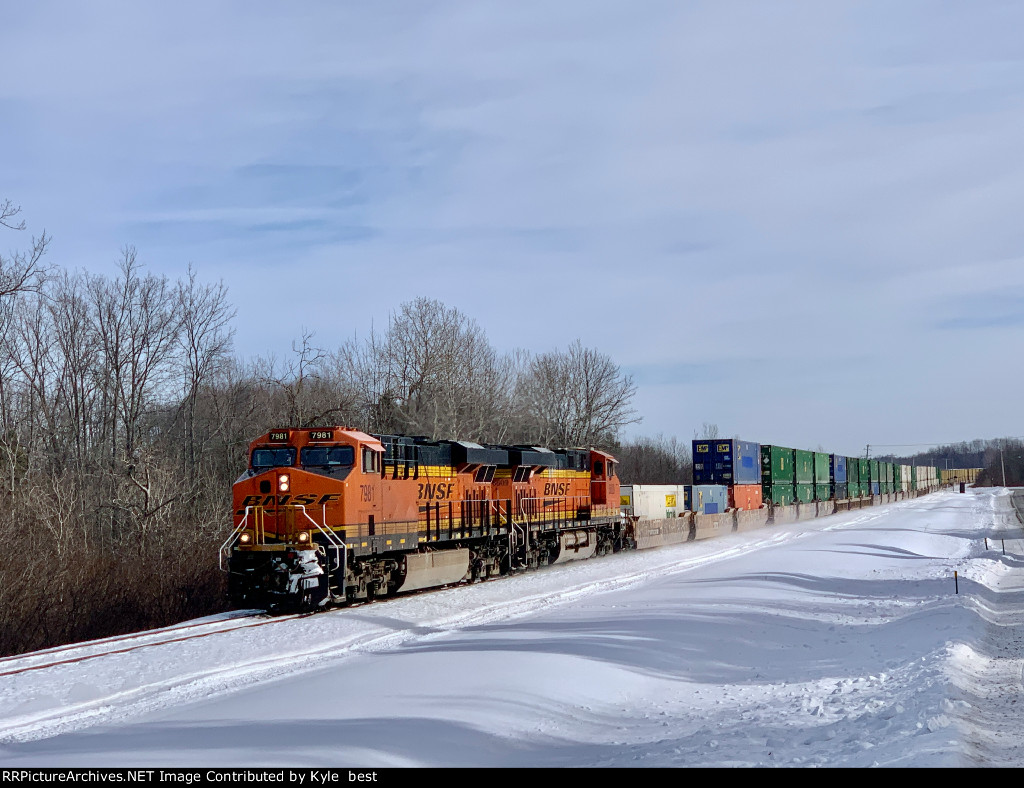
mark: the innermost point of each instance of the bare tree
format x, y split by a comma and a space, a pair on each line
205, 340
21, 270
578, 398
442, 372
657, 460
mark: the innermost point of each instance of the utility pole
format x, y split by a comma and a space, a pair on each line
867, 452
1003, 465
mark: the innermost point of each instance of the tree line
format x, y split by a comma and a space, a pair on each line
125, 417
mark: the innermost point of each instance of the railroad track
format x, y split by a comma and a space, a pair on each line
122, 644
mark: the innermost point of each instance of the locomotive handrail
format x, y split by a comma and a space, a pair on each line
526, 516
229, 542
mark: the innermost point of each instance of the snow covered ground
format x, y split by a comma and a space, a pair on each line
833, 642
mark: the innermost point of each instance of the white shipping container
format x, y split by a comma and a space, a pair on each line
652, 501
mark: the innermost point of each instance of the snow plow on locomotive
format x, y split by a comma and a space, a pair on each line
333, 515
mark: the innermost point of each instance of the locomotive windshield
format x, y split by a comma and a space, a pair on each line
327, 456
273, 458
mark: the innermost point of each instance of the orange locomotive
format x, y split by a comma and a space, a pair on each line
333, 515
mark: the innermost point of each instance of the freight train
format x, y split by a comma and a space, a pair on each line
332, 515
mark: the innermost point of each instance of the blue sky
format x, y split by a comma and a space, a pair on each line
798, 221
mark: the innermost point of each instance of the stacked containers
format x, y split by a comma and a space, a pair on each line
852, 477
890, 477
804, 472
733, 463
876, 485
913, 478
822, 476
905, 478
777, 476
865, 476
883, 477
837, 472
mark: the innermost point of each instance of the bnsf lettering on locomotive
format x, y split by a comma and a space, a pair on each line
306, 499
442, 491
555, 488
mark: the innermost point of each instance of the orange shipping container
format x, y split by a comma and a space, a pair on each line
745, 496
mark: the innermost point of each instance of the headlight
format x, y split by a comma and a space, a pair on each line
303, 537
283, 483
245, 538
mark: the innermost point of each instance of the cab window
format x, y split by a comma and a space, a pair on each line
370, 461
273, 458
328, 456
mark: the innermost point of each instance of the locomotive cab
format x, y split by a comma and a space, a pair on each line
291, 505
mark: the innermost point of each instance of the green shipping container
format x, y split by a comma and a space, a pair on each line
821, 473
780, 494
865, 471
805, 493
822, 492
804, 465
776, 465
874, 465
913, 477
852, 471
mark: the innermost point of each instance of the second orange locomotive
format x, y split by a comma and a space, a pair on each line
333, 515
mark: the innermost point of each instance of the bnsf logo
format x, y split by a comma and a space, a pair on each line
443, 491
284, 500
556, 488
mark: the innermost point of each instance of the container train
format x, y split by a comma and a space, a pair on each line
332, 515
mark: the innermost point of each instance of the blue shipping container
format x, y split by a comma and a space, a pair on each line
726, 461
709, 498
875, 488
837, 468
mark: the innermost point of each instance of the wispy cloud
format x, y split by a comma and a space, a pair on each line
713, 192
